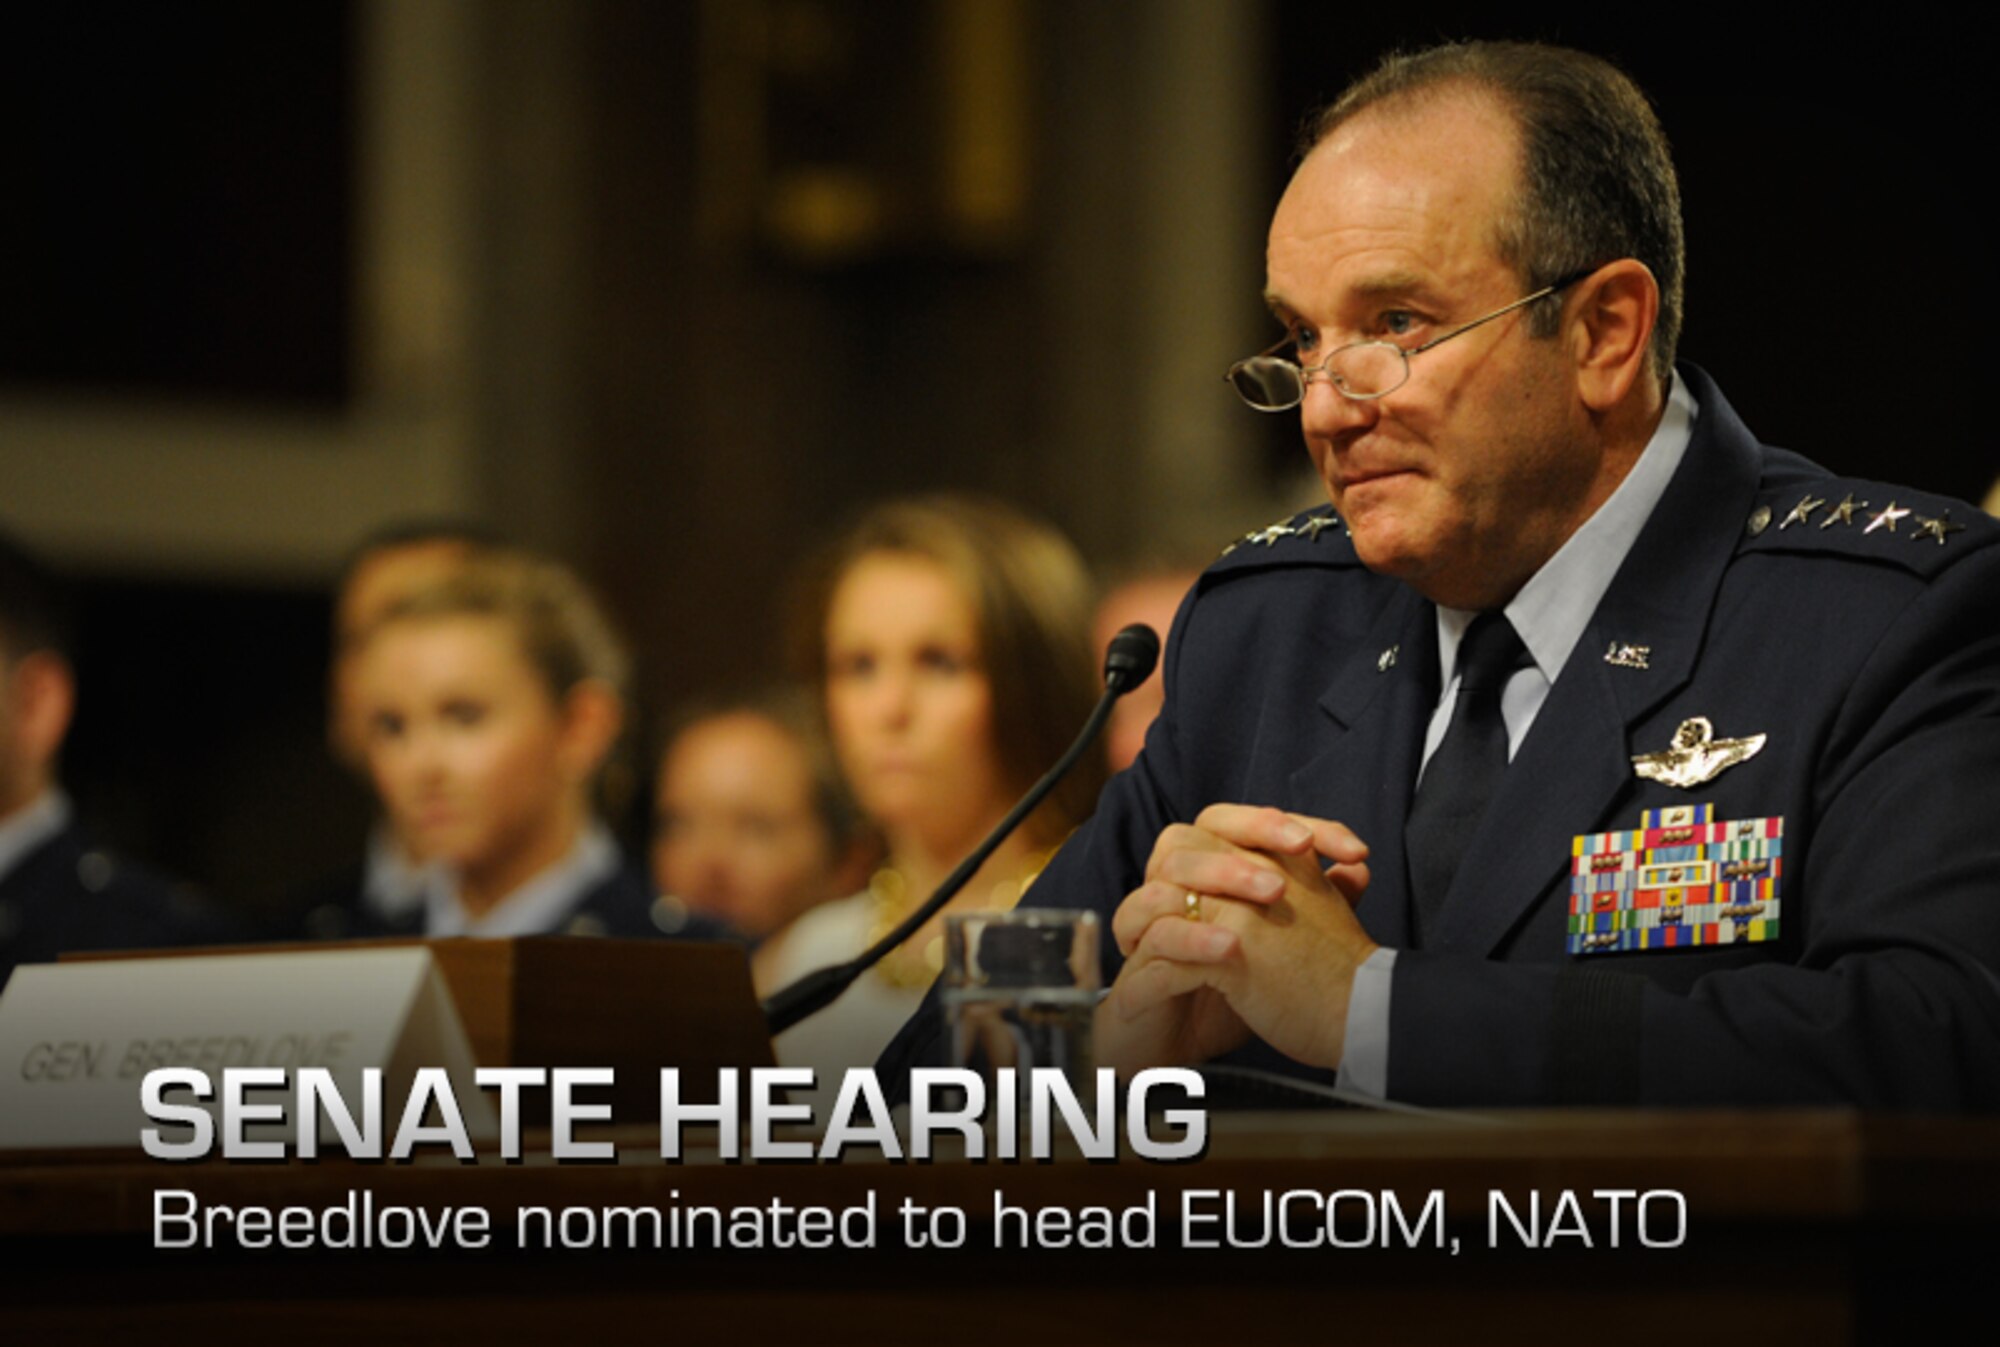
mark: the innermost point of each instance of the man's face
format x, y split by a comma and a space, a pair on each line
37, 694
739, 835
1468, 477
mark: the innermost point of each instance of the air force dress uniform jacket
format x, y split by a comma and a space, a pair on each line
69, 894
1855, 626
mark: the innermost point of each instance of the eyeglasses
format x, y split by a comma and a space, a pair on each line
1362, 370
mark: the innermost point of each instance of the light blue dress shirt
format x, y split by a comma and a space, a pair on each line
1549, 613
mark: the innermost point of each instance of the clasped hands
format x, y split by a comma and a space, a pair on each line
1272, 952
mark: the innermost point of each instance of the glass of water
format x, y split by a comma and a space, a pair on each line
1019, 989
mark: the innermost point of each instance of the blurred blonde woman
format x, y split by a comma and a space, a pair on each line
489, 701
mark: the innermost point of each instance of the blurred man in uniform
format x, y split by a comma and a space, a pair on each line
59, 890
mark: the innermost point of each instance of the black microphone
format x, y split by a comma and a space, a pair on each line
1128, 662
1130, 658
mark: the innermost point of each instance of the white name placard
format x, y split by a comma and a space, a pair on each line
77, 1039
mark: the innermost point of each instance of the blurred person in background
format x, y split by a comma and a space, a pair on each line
491, 698
387, 885
386, 565
754, 824
1151, 596
950, 638
59, 890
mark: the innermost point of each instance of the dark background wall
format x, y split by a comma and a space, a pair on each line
707, 277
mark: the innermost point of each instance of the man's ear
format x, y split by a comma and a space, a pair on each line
1611, 330
44, 700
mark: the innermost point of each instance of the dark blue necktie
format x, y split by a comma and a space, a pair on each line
1462, 776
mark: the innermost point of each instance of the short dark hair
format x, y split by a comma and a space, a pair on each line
34, 605
1597, 177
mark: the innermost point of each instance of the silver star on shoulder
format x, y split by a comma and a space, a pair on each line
1802, 511
1843, 513
1935, 528
1316, 525
1886, 519
1271, 534
1267, 536
1696, 756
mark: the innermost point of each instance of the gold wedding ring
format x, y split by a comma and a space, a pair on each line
1193, 905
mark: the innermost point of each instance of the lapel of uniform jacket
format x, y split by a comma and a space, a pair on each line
1574, 769
1378, 704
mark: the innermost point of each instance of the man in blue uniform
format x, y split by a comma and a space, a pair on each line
1585, 750
59, 890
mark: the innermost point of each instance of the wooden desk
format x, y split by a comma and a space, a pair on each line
1802, 1227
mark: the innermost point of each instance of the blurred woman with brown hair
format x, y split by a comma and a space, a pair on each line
950, 637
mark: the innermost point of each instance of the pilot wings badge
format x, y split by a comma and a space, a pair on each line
1696, 756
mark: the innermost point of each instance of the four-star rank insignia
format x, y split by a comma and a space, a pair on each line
1884, 520
1696, 756
1680, 880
